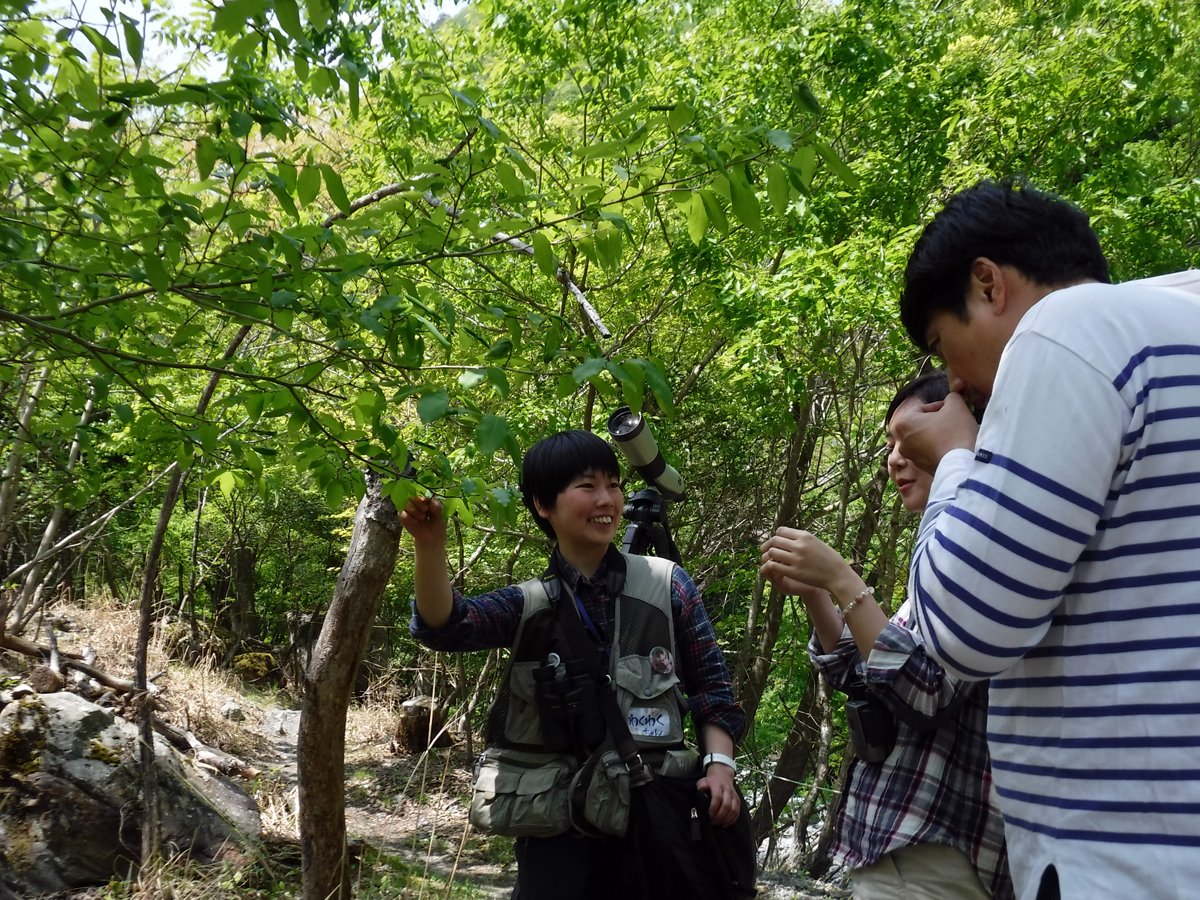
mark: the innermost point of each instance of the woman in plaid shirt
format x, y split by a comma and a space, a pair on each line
923, 821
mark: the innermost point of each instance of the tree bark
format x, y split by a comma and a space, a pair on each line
150, 827
793, 761
340, 649
243, 618
34, 575
821, 769
9, 486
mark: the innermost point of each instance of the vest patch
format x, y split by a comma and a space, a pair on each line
649, 721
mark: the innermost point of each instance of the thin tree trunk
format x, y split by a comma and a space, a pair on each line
12, 470
34, 575
819, 860
150, 826
190, 597
793, 761
321, 745
821, 769
754, 669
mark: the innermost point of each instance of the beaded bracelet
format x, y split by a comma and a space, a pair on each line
858, 598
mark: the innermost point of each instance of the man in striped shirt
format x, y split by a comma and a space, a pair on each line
1065, 569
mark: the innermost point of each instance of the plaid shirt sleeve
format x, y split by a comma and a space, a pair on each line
702, 668
476, 623
901, 673
839, 665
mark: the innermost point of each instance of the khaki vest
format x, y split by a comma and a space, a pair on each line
652, 702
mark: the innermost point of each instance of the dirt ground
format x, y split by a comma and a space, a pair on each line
415, 807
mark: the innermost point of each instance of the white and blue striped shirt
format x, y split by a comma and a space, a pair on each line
1068, 570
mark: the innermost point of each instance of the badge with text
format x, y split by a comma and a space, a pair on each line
649, 722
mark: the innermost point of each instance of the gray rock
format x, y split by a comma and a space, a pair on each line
70, 806
233, 712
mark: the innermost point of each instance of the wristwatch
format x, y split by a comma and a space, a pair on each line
721, 758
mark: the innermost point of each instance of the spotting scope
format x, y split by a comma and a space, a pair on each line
646, 510
637, 443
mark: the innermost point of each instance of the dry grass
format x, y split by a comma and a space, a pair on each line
193, 694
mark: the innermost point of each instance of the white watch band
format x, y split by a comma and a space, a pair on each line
711, 758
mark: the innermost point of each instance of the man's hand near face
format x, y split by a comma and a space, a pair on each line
931, 431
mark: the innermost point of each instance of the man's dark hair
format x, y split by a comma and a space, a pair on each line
930, 388
554, 462
1045, 238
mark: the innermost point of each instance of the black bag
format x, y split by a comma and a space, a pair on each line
672, 849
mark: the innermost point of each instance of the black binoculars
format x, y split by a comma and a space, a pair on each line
569, 714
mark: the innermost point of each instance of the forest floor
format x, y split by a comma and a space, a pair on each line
415, 808
406, 815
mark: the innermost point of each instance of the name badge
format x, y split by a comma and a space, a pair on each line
649, 722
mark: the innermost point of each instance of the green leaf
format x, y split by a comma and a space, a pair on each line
254, 405
658, 385
472, 378
100, 42
437, 335
156, 272
502, 349
206, 156
133, 38
745, 204
777, 137
840, 169
680, 116
589, 368
510, 181
288, 14
543, 255
318, 12
123, 412
566, 386
227, 482
778, 189
433, 405
232, 17
552, 343
716, 215
633, 383
240, 124
499, 381
806, 161
308, 185
807, 99
491, 434
458, 505
333, 184
335, 495
697, 219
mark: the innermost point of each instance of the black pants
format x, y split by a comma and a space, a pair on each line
568, 867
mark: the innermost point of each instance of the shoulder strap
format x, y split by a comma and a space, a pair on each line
583, 648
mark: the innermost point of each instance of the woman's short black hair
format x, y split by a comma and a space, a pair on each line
554, 462
1045, 238
930, 388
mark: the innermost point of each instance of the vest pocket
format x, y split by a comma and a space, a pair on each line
600, 792
522, 725
648, 701
521, 794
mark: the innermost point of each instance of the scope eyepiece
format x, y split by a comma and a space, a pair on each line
637, 443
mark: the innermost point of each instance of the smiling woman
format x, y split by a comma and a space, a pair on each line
600, 626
